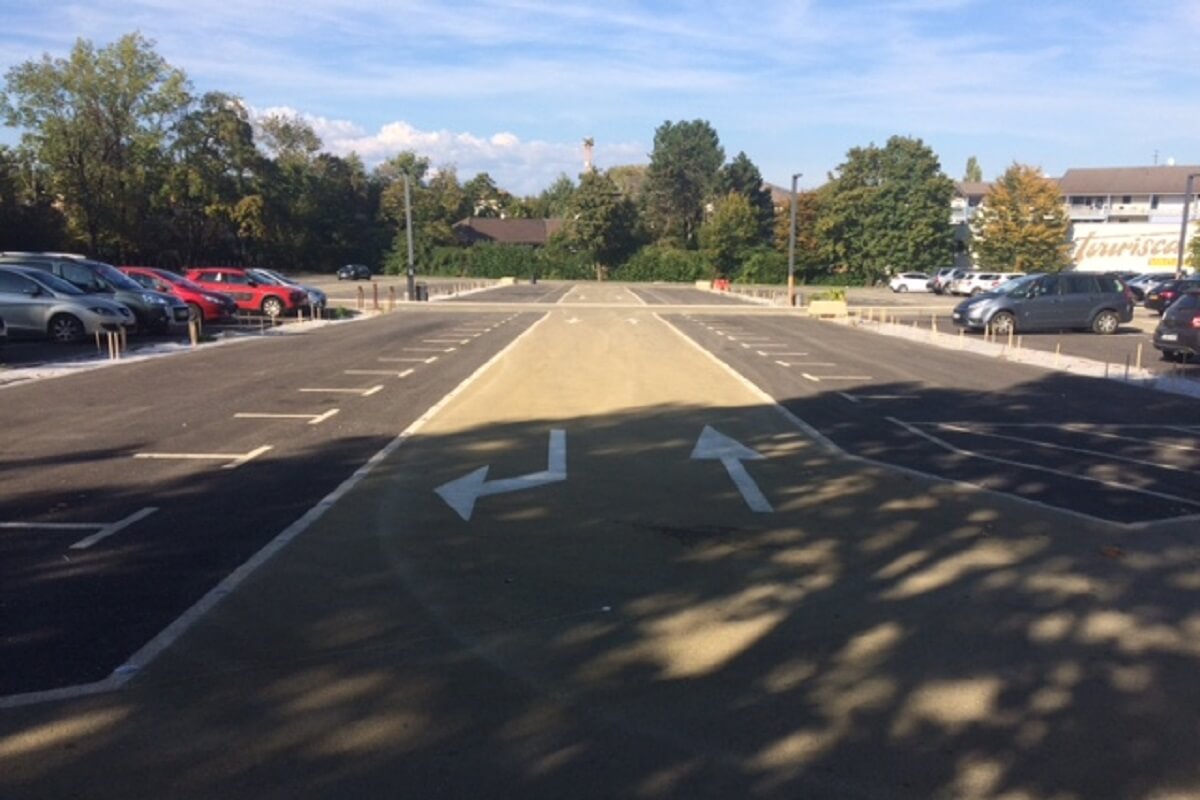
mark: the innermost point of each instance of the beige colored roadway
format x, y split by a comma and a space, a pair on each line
636, 631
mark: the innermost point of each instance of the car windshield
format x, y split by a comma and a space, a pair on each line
175, 279
115, 278
264, 277
281, 279
52, 281
1016, 287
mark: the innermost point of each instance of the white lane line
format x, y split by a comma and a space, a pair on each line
428, 349
1037, 467
235, 459
636, 297
812, 378
362, 392
116, 527
565, 295
444, 341
1107, 456
429, 360
770, 355
311, 419
50, 526
405, 373
843, 377
849, 397
806, 364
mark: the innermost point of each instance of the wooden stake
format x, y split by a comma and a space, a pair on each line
1139, 357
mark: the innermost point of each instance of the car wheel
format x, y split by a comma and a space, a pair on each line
1003, 323
976, 292
272, 307
65, 329
1106, 322
902, 288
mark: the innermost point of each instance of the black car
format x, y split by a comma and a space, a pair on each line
1178, 334
1164, 294
354, 272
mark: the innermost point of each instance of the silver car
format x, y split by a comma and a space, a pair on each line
38, 303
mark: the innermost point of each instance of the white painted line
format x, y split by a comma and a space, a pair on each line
169, 635
428, 349
806, 363
116, 527
317, 420
636, 296
238, 459
1037, 467
362, 392
1107, 456
444, 341
812, 378
462, 493
849, 397
50, 526
265, 415
769, 355
406, 373
429, 360
783, 363
845, 377
390, 372
714, 445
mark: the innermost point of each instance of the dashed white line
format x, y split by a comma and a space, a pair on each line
397, 360
116, 527
311, 419
235, 459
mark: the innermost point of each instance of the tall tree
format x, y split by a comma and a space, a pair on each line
742, 176
600, 222
887, 209
729, 234
809, 252
554, 199
973, 173
99, 121
681, 178
1023, 225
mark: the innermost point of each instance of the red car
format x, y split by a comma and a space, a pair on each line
202, 303
249, 294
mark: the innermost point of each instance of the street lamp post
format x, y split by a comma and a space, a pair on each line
412, 273
791, 287
1187, 199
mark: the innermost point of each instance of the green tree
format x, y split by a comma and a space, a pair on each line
1023, 225
29, 219
99, 121
886, 209
810, 253
730, 233
552, 203
742, 176
680, 179
973, 173
600, 222
630, 180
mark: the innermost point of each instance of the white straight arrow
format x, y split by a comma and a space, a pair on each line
715, 446
461, 493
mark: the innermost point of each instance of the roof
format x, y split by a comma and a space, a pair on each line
1126, 180
972, 188
506, 231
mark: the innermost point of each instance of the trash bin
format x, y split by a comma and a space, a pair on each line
421, 291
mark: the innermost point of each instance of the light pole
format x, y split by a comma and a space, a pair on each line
791, 289
408, 234
1187, 199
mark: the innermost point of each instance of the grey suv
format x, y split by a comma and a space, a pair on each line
154, 311
1050, 302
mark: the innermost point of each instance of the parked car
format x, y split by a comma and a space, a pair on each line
316, 298
3, 333
155, 312
1141, 284
941, 280
37, 303
248, 293
204, 305
976, 283
1049, 302
1178, 332
910, 282
1160, 296
354, 272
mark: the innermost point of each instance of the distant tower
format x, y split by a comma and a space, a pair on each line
588, 145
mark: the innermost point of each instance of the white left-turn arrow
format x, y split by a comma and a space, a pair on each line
462, 493
715, 446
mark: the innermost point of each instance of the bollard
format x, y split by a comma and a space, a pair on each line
1127, 369
375, 296
112, 346
1106, 370
1057, 353
99, 346
123, 343
1010, 338
1019, 341
1139, 357
362, 298
194, 331
391, 298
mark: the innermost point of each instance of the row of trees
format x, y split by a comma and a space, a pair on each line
119, 158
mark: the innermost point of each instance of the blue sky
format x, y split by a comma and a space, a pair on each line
512, 87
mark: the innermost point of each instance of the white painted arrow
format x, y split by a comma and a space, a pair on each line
461, 493
715, 446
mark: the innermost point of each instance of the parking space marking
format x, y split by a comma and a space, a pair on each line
911, 428
313, 419
391, 372
429, 349
1108, 456
772, 355
806, 363
238, 459
446, 341
818, 379
401, 360
331, 390
857, 398
116, 527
